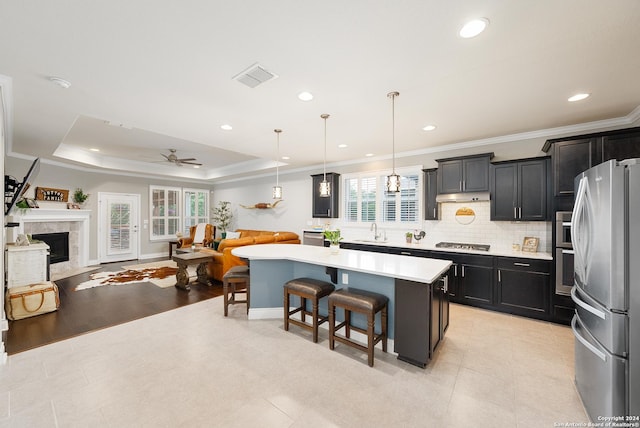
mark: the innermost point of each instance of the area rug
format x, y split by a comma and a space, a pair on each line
161, 274
72, 272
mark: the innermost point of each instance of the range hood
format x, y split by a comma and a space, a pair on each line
464, 197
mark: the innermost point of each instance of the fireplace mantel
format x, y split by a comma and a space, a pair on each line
45, 215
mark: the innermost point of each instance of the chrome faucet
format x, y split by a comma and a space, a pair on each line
374, 228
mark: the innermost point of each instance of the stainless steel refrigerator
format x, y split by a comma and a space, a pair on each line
605, 231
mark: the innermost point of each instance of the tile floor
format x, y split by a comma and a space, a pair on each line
191, 367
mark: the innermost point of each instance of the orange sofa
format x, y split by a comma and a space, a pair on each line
223, 260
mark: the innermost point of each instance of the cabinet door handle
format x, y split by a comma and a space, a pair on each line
455, 270
434, 212
405, 253
515, 212
462, 271
499, 276
328, 212
521, 264
519, 212
460, 185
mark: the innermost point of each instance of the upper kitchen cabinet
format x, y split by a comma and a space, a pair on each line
464, 174
430, 193
519, 190
620, 147
325, 207
572, 155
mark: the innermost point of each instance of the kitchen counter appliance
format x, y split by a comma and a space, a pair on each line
564, 254
461, 246
605, 232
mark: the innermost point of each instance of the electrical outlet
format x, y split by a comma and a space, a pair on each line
345, 278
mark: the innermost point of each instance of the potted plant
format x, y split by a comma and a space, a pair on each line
79, 197
408, 237
222, 216
334, 238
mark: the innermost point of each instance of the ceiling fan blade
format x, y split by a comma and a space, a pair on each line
185, 160
191, 163
166, 157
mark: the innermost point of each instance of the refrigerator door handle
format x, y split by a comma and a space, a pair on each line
585, 342
578, 301
581, 219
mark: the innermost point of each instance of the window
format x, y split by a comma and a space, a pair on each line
174, 209
196, 208
366, 201
165, 212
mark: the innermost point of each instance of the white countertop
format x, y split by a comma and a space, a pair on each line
417, 269
431, 246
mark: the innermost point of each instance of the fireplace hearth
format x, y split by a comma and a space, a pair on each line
58, 245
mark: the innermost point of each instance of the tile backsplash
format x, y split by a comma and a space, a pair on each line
483, 231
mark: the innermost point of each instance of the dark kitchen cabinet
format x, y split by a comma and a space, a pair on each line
620, 147
570, 158
464, 174
519, 190
421, 319
430, 193
523, 286
325, 207
470, 278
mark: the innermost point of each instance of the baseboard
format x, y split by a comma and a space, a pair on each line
278, 313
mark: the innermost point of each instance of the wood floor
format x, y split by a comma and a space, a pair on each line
97, 308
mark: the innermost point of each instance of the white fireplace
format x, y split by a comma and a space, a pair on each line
76, 222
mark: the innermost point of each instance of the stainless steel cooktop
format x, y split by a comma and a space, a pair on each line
462, 246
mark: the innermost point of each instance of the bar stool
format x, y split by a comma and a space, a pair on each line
236, 280
364, 302
306, 288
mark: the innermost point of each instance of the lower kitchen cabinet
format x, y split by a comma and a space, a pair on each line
523, 286
421, 319
470, 278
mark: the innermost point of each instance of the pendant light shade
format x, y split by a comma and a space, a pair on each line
325, 187
277, 190
393, 180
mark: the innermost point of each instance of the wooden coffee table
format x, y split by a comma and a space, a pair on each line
185, 260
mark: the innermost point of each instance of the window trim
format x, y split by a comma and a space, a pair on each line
166, 217
206, 218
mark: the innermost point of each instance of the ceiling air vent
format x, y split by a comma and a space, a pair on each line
254, 75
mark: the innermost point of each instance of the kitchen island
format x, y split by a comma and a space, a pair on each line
410, 284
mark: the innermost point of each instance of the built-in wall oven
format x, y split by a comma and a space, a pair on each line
564, 253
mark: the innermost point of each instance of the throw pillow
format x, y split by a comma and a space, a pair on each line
233, 235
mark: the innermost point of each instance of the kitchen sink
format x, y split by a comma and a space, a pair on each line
373, 241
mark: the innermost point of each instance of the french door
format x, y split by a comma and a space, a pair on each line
118, 237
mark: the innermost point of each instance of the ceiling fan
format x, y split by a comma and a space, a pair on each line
173, 158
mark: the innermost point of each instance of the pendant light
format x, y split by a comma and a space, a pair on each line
325, 187
393, 180
277, 189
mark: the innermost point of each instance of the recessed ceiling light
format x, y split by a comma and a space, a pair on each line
196, 166
578, 97
473, 28
60, 82
342, 146
369, 155
95, 150
305, 96
226, 127
285, 158
429, 128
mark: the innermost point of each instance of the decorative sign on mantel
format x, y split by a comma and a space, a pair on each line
50, 194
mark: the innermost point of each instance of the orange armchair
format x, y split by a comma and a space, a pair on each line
201, 234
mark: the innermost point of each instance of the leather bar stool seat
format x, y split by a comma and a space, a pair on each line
306, 288
364, 302
236, 281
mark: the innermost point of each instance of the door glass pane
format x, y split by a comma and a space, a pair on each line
119, 227
173, 226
